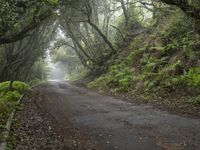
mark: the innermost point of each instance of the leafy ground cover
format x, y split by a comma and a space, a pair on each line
8, 99
164, 69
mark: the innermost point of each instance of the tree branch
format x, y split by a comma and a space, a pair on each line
23, 33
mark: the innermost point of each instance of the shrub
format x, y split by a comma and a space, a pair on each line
3, 107
191, 78
10, 96
101, 82
4, 112
34, 82
17, 85
20, 86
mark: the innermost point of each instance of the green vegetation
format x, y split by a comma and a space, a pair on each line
146, 49
143, 48
192, 78
34, 82
159, 64
17, 86
9, 98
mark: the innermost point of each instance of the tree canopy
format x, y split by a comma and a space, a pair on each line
93, 31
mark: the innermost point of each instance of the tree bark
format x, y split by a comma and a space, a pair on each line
126, 16
103, 36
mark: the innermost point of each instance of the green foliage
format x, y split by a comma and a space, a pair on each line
194, 100
10, 96
78, 74
175, 24
5, 108
191, 78
118, 78
34, 82
151, 64
164, 59
17, 85
101, 83
133, 55
121, 74
18, 15
10, 17
20, 86
52, 2
13, 94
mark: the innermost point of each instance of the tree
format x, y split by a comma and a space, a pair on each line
190, 7
126, 15
19, 17
88, 12
19, 57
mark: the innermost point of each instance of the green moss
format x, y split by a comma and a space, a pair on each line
13, 94
17, 85
9, 97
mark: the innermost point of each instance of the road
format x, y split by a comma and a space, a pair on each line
114, 124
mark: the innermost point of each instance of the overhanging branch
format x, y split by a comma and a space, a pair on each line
23, 33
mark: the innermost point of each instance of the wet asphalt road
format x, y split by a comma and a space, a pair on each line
116, 124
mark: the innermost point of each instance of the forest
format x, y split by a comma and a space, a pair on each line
144, 51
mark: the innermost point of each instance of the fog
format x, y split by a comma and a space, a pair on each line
56, 71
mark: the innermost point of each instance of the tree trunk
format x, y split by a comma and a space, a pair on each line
78, 44
103, 36
126, 16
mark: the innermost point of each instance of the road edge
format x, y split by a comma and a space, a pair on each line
6, 133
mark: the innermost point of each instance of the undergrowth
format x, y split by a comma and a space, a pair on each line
159, 63
9, 98
34, 82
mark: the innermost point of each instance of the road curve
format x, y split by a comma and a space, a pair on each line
115, 124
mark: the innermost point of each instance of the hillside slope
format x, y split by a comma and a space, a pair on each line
160, 66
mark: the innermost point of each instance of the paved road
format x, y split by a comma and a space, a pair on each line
116, 124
